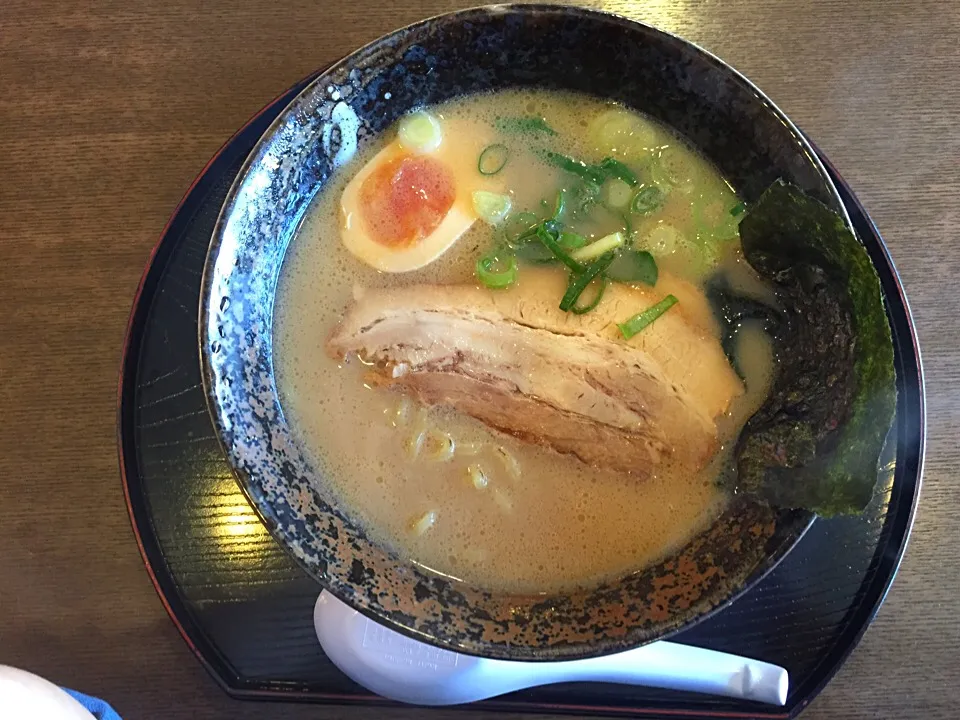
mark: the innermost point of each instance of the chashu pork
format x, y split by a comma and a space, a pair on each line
515, 361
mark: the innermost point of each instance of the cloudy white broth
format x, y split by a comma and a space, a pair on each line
518, 488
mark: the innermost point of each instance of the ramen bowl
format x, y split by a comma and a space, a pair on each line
554, 48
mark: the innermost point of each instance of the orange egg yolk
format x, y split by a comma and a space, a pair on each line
405, 199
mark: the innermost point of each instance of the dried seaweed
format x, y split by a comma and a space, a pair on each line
816, 441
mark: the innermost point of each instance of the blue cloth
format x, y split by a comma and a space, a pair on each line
97, 707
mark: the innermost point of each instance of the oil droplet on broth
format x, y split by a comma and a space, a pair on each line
621, 524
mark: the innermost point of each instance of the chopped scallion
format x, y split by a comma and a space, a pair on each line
599, 247
642, 319
674, 166
493, 158
493, 278
618, 194
520, 226
420, 132
576, 167
579, 282
592, 305
547, 238
738, 209
560, 205
628, 231
648, 200
615, 168
491, 207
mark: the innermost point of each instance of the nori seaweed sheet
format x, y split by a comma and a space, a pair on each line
816, 441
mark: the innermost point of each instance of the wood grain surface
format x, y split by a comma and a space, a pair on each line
109, 109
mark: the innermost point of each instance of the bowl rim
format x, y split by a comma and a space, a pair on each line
265, 513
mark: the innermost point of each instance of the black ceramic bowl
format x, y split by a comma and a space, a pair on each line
560, 48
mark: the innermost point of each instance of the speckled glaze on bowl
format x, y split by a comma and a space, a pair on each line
562, 48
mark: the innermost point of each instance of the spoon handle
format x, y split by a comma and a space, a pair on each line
671, 666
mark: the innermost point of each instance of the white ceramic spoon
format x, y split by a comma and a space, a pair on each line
406, 670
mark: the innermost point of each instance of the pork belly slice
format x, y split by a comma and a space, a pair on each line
515, 361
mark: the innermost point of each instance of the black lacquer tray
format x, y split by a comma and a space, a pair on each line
245, 608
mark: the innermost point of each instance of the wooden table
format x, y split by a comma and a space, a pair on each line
109, 108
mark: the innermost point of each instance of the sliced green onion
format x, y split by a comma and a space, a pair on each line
639, 321
615, 168
493, 158
491, 207
571, 240
599, 247
420, 132
576, 167
622, 133
551, 243
618, 193
674, 166
738, 209
519, 226
592, 305
579, 282
528, 125
648, 200
594, 174
497, 279
634, 266
560, 205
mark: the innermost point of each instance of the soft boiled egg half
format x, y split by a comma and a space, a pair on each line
412, 201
